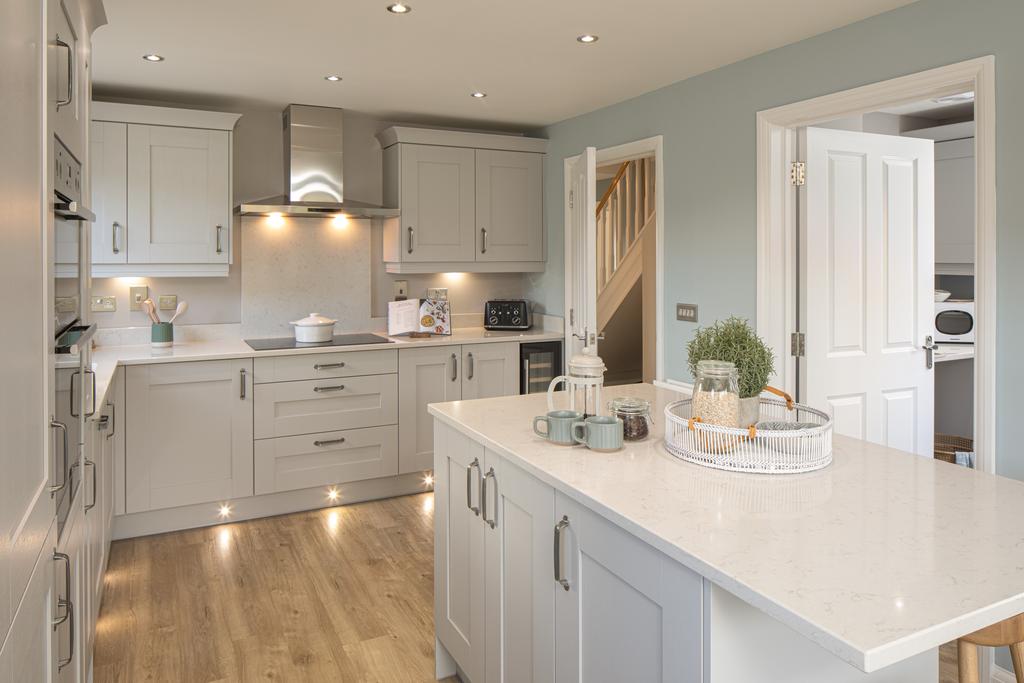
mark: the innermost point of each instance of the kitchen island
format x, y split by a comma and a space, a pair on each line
571, 565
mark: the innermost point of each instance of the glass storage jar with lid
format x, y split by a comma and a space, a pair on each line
716, 393
635, 414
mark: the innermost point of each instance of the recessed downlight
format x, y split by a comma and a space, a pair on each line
586, 38
399, 8
477, 94
333, 78
153, 58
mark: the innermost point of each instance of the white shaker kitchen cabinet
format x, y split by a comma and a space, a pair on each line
326, 405
189, 433
427, 375
628, 612
108, 168
954, 201
459, 550
519, 513
490, 370
179, 195
116, 436
509, 206
66, 73
68, 662
26, 653
438, 203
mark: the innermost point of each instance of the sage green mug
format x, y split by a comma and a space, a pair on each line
559, 426
599, 433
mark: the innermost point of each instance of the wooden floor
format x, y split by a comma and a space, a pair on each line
341, 594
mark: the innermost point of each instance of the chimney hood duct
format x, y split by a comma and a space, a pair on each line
313, 170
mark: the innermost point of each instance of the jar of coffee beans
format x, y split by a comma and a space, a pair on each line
635, 414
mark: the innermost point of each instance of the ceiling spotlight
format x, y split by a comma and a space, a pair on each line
153, 58
478, 95
332, 78
586, 38
399, 8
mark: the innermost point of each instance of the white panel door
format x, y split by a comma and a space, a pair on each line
438, 203
179, 195
490, 370
509, 206
108, 166
459, 548
582, 246
188, 433
427, 375
630, 613
867, 275
520, 628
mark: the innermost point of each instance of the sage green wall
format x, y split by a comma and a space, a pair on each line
709, 144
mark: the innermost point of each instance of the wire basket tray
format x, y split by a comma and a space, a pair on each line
804, 446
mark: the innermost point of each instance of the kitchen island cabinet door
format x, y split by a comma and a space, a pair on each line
630, 613
509, 206
490, 370
428, 375
520, 585
459, 547
188, 433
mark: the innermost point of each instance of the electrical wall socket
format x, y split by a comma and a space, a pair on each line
686, 312
104, 304
400, 290
167, 302
136, 295
437, 293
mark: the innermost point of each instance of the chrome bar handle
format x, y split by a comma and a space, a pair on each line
561, 526
470, 366
335, 387
469, 485
493, 522
63, 602
61, 663
54, 424
71, 73
455, 367
328, 442
220, 246
483, 240
327, 366
410, 239
113, 418
115, 244
90, 463
241, 377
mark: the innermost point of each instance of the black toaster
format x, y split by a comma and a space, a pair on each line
507, 314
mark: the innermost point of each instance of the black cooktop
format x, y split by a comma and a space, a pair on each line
338, 340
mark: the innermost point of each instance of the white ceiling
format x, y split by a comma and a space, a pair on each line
423, 65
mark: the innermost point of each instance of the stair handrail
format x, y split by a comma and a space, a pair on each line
611, 188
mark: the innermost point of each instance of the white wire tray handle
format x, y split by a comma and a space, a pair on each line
788, 438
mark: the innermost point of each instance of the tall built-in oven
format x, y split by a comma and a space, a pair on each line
73, 390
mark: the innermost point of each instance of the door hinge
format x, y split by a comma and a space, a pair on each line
797, 344
570, 198
572, 317
798, 174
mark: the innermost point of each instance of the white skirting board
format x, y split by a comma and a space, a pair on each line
208, 514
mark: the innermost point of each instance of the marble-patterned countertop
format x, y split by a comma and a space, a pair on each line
105, 359
878, 557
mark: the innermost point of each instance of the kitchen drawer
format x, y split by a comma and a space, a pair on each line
326, 405
325, 365
298, 462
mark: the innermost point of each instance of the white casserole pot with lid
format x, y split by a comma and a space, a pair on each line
313, 329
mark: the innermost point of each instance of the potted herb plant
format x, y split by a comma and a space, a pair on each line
733, 340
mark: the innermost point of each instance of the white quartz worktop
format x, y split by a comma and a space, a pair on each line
876, 558
105, 359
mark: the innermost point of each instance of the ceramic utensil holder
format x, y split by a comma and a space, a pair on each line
162, 335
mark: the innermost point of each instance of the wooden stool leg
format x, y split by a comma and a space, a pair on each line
1017, 652
967, 661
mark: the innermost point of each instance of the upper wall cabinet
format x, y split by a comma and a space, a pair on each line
470, 202
161, 191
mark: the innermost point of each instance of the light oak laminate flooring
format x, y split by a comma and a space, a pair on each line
339, 594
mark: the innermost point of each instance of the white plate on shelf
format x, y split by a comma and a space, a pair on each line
941, 295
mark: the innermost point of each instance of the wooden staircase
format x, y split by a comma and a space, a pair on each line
624, 213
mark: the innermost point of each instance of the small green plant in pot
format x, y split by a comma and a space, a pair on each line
733, 340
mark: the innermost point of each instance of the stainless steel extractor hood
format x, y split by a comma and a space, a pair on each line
313, 170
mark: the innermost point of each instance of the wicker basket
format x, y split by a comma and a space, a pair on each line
947, 446
765, 451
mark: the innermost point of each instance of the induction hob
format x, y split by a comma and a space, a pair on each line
338, 340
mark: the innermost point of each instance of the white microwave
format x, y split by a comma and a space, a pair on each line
954, 322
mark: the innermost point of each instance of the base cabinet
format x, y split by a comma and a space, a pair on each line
25, 655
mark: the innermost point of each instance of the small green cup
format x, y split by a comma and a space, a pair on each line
162, 334
599, 433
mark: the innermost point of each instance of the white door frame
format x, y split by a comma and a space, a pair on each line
617, 155
776, 217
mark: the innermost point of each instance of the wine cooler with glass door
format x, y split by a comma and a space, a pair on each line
539, 363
